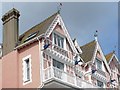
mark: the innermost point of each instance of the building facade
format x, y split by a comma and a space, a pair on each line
45, 56
114, 65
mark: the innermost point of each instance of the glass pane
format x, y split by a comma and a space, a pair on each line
28, 73
55, 39
58, 64
58, 41
43, 55
99, 64
27, 69
62, 41
99, 83
54, 63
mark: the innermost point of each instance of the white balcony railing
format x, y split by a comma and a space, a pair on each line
60, 50
55, 49
57, 74
53, 72
101, 72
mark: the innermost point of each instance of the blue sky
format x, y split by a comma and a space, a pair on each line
82, 19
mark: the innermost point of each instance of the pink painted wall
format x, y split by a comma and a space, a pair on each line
0, 74
32, 50
98, 55
59, 29
10, 70
12, 67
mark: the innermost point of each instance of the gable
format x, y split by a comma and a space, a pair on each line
114, 61
58, 26
112, 64
58, 29
99, 57
99, 54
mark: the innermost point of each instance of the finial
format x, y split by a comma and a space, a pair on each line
114, 49
95, 35
13, 6
59, 7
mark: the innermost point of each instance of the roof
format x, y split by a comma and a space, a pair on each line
37, 30
88, 51
109, 56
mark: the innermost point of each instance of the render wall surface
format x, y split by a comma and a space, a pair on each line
10, 70
12, 67
32, 50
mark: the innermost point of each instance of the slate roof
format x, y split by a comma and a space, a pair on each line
108, 56
88, 51
37, 30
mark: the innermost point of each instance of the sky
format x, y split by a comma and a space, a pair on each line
81, 19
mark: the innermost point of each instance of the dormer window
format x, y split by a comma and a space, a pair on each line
58, 40
32, 35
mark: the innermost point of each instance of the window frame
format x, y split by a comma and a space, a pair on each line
27, 80
58, 39
98, 82
97, 61
58, 64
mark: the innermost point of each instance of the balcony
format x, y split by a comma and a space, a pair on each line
56, 75
60, 50
100, 75
101, 72
60, 54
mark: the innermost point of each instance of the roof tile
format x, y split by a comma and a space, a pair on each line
88, 51
41, 28
108, 56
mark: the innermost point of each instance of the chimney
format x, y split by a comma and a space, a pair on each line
10, 30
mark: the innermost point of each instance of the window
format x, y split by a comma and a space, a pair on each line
58, 64
99, 83
99, 64
27, 70
58, 40
32, 35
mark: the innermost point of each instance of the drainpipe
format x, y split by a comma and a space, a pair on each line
41, 63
